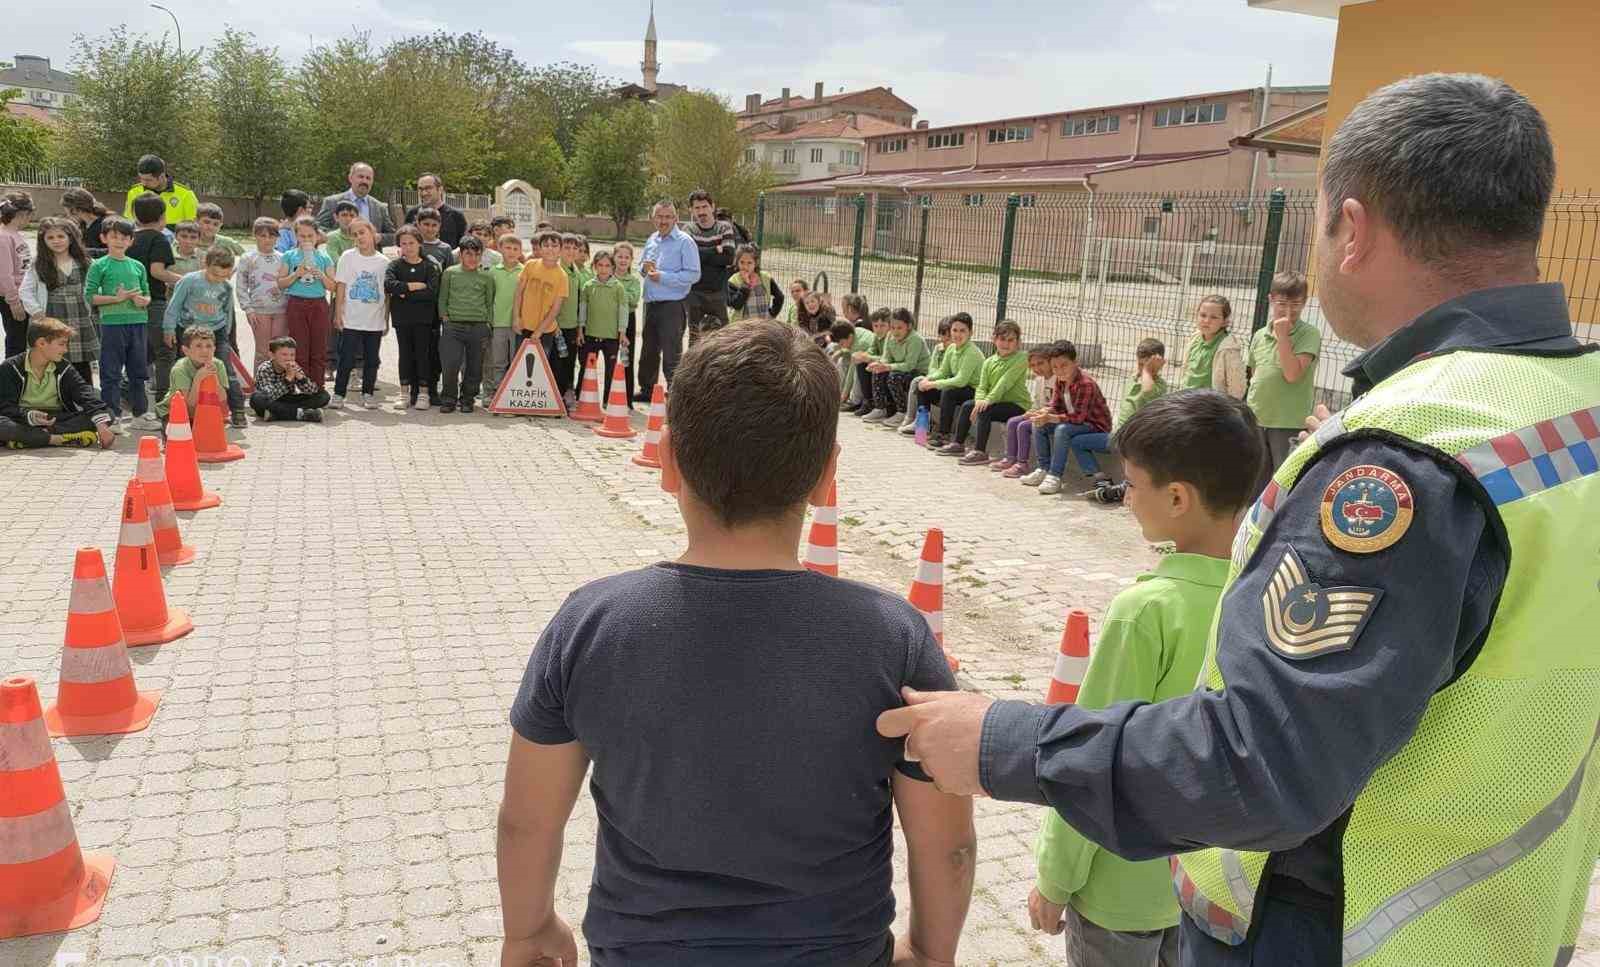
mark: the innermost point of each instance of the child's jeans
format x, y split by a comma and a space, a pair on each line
357, 342
266, 326
309, 321
461, 360
1085, 446
235, 389
123, 348
1019, 439
1053, 442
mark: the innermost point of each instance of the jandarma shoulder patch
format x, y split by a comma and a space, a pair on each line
1366, 509
1305, 620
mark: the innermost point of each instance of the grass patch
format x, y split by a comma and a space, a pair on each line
1014, 679
971, 581
850, 521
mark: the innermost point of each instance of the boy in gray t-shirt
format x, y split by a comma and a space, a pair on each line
728, 700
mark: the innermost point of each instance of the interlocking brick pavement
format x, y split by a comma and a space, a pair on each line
321, 780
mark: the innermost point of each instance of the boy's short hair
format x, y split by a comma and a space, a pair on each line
1005, 327
427, 214
802, 283
148, 208
115, 225
944, 325
1200, 437
1290, 285
265, 225
544, 235
151, 165
219, 257
186, 228
208, 209
754, 413
1039, 352
583, 243
856, 301
963, 318
1149, 347
544, 227
281, 342
470, 243
407, 231
840, 331
571, 238
499, 220
880, 314
1062, 347
49, 329
474, 228
509, 237
191, 333
293, 201
345, 205
903, 314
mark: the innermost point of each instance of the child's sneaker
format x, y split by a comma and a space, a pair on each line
467, 407
1051, 485
876, 416
909, 429
1106, 492
447, 407
1014, 471
337, 403
420, 404
1001, 465
1036, 478
935, 441
146, 422
119, 427
952, 449
974, 458
309, 415
239, 420
369, 401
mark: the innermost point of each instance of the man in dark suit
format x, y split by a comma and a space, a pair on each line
452, 224
367, 206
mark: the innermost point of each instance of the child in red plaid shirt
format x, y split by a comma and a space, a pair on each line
1076, 406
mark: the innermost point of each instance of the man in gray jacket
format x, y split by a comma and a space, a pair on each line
367, 206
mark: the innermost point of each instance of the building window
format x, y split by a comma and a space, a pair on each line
750, 155
816, 156
788, 156
949, 139
849, 157
891, 146
1026, 201
1167, 117
973, 200
1019, 132
1078, 127
830, 205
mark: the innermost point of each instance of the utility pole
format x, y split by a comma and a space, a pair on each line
174, 24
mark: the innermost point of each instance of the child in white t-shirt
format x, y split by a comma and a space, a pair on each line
360, 312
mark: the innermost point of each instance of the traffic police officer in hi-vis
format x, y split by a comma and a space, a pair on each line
1390, 758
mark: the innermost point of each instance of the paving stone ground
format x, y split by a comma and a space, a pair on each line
320, 782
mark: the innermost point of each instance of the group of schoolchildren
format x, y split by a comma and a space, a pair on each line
1049, 407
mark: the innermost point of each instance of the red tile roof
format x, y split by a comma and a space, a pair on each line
878, 97
838, 126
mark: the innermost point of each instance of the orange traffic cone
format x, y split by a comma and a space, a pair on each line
822, 544
589, 394
97, 695
651, 457
47, 884
210, 439
170, 547
141, 601
618, 413
1072, 661
183, 469
927, 591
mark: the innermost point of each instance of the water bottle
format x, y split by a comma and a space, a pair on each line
922, 426
623, 357
561, 345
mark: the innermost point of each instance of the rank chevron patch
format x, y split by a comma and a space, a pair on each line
1304, 620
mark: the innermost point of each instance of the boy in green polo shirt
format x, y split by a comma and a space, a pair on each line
603, 315
502, 331
1191, 460
119, 287
1282, 368
339, 241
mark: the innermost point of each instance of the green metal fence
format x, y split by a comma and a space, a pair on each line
1103, 270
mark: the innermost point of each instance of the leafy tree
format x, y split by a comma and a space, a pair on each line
611, 168
698, 146
135, 97
572, 92
347, 116
257, 116
24, 142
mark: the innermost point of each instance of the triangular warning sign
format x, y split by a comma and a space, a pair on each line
529, 386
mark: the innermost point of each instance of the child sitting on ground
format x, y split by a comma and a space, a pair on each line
864, 356
1002, 394
845, 338
1191, 463
854, 310
602, 315
283, 390
205, 298
1019, 429
44, 402
902, 357
1146, 385
954, 380
1076, 406
1215, 358
199, 345
721, 661
908, 425
794, 314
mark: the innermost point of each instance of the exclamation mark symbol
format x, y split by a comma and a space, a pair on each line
527, 362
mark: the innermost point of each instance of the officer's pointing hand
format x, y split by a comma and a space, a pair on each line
942, 731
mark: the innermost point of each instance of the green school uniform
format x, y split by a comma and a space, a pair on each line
1004, 379
603, 309
960, 366
1277, 403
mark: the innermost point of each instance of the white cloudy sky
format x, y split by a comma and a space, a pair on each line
954, 61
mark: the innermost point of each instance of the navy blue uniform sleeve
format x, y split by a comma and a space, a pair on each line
1284, 749
926, 671
539, 712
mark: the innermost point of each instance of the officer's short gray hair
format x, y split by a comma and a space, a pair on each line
1455, 163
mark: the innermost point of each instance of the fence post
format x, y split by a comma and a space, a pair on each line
761, 218
1269, 257
1007, 237
860, 201
922, 261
